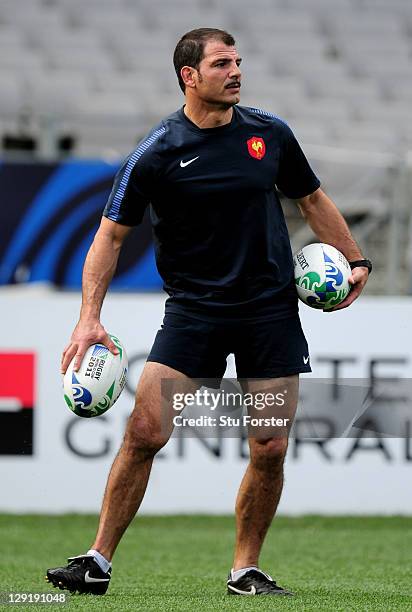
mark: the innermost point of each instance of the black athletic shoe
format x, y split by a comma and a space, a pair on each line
254, 582
82, 574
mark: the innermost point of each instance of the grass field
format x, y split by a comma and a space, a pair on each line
180, 563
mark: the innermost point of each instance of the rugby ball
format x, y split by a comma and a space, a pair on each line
321, 276
99, 381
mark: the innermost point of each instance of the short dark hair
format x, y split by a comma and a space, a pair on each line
189, 50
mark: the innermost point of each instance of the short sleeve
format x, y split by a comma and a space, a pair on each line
129, 196
133, 183
296, 178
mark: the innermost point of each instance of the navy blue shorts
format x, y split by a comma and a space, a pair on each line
262, 348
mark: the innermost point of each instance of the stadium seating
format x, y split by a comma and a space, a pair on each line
339, 66
340, 73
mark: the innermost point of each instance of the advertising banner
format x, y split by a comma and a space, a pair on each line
50, 214
54, 461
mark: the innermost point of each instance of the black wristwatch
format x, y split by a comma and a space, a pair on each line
361, 263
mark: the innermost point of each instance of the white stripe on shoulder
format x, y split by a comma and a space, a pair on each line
142, 148
260, 111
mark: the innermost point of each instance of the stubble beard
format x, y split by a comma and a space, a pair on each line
219, 104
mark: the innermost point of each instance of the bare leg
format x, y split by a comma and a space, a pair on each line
262, 484
146, 433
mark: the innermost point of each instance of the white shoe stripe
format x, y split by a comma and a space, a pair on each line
88, 578
251, 592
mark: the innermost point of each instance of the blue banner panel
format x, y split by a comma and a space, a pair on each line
49, 214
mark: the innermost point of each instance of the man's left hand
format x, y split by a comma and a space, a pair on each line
358, 280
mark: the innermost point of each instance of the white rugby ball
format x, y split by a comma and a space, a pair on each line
101, 378
321, 275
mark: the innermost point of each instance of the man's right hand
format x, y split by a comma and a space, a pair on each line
84, 335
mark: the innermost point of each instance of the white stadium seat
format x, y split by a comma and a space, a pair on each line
12, 93
107, 104
56, 92
32, 19
306, 66
321, 5
372, 24
69, 39
396, 114
344, 88
80, 59
309, 133
114, 19
21, 61
366, 136
381, 68
10, 36
397, 90
320, 110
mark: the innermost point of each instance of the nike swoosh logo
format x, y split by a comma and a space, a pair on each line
306, 360
183, 164
251, 592
88, 578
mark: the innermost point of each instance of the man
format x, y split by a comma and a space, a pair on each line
209, 173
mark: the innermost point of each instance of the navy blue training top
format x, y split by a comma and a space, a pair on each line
221, 241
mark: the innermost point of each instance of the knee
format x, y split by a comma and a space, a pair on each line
268, 454
143, 437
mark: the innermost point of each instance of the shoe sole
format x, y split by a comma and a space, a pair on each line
59, 583
260, 594
270, 594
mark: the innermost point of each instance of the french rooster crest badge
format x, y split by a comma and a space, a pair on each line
256, 147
